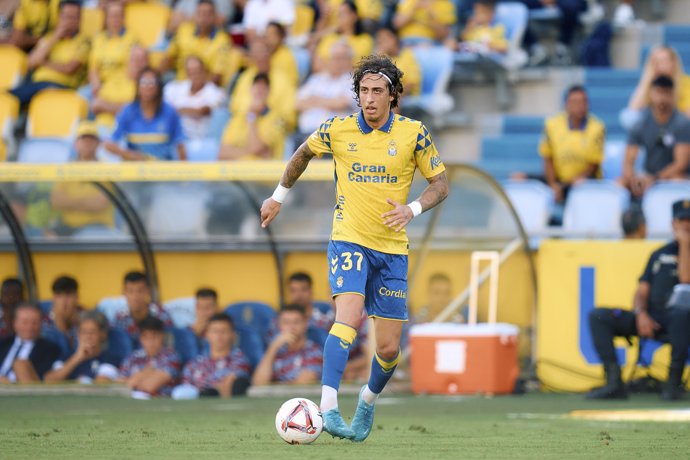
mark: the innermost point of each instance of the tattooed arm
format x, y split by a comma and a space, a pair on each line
433, 194
294, 169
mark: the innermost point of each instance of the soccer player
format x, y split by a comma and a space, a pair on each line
376, 153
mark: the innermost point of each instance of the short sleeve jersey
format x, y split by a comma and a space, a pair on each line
371, 166
661, 273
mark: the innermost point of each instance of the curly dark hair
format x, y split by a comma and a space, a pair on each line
375, 64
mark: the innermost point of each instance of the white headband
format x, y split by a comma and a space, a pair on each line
380, 73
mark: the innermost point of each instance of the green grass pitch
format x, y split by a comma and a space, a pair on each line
425, 427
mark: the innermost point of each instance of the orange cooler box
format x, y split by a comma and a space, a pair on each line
461, 358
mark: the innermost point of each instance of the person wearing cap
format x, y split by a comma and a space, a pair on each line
656, 314
634, 224
82, 205
664, 133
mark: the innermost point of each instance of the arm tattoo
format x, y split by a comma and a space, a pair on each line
435, 192
296, 165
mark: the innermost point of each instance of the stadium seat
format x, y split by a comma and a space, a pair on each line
178, 210
55, 113
9, 110
251, 344
13, 65
504, 155
303, 59
614, 155
514, 15
182, 311
533, 201
594, 209
256, 316
515, 124
58, 338
119, 344
436, 64
111, 306
46, 306
92, 20
148, 22
656, 206
185, 343
44, 151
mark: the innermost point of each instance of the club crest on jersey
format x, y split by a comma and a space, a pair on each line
352, 147
392, 150
339, 282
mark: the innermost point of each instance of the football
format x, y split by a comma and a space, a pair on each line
299, 421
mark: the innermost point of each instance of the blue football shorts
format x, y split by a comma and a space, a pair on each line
378, 277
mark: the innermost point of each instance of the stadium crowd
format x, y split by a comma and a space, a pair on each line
221, 352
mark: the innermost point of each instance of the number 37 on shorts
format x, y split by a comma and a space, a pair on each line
379, 277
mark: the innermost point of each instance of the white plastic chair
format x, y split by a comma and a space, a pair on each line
111, 306
657, 203
533, 201
594, 209
436, 63
182, 310
46, 150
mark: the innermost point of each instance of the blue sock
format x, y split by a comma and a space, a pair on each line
335, 354
381, 372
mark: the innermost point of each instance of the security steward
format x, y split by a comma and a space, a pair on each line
661, 311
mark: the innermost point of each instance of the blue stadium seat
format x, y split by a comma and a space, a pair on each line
185, 342
617, 78
533, 201
515, 124
44, 150
436, 64
58, 338
256, 316
251, 344
656, 206
46, 306
594, 208
111, 306
676, 34
303, 59
614, 155
119, 344
316, 335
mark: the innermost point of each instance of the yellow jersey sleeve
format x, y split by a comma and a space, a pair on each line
320, 141
425, 154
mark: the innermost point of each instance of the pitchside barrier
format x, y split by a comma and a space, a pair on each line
196, 224
574, 278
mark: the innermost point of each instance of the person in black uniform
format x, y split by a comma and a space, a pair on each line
652, 317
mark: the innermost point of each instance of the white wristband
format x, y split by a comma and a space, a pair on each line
280, 193
416, 208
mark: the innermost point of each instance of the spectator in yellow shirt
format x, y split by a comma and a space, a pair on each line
349, 27
483, 34
388, 43
282, 95
120, 89
59, 58
32, 20
424, 21
110, 49
369, 11
573, 144
257, 134
82, 204
203, 39
282, 58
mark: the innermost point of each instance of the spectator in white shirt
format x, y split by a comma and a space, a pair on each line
329, 93
258, 13
194, 99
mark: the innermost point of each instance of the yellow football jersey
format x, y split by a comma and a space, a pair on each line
214, 50
110, 53
572, 150
65, 51
36, 17
372, 165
